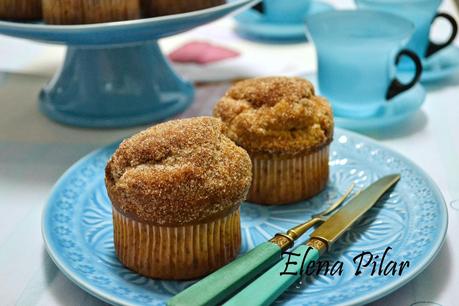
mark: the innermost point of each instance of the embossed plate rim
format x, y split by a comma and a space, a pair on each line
427, 260
44, 230
376, 294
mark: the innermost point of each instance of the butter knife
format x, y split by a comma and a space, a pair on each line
265, 289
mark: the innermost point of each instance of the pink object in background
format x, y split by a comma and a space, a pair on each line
201, 53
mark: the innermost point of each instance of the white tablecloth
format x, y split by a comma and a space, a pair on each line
34, 152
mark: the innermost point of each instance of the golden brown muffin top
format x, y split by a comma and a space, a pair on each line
276, 115
178, 172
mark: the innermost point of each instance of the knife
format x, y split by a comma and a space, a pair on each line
270, 285
224, 282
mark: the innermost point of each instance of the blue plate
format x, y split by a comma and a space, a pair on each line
77, 229
440, 66
253, 25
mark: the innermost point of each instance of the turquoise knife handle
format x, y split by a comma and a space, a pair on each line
265, 289
224, 282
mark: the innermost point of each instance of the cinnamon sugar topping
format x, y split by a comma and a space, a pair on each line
276, 115
178, 172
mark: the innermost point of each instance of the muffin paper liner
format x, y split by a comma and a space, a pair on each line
89, 11
20, 9
283, 180
183, 252
152, 8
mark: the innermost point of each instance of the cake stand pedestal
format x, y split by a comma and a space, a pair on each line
115, 87
114, 74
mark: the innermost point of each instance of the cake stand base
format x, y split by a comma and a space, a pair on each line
115, 86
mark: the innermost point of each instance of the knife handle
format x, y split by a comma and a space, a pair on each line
265, 289
224, 282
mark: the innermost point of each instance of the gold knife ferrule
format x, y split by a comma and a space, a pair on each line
318, 244
284, 241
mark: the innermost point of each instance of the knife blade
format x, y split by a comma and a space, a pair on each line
265, 289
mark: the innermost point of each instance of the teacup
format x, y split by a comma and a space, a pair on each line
422, 13
284, 11
358, 51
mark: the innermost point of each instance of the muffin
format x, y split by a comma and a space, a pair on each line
153, 8
20, 9
176, 189
286, 129
89, 11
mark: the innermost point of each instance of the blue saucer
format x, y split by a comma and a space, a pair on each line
399, 109
253, 25
440, 66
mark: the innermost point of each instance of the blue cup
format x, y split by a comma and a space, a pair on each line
422, 13
284, 11
357, 52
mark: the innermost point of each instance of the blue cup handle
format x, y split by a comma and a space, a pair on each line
433, 48
396, 87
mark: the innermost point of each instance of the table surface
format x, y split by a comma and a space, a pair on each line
34, 152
